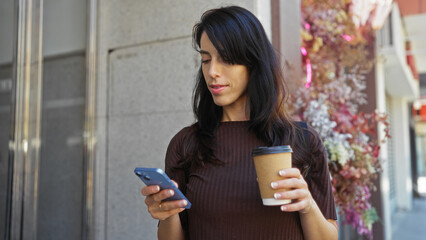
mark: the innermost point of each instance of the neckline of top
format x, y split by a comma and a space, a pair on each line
234, 123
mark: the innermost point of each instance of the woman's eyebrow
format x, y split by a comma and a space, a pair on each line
203, 52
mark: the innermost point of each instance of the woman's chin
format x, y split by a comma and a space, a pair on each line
219, 103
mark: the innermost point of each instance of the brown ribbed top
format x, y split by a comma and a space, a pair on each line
226, 202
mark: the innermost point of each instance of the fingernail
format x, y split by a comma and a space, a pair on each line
170, 192
283, 208
282, 172
157, 188
185, 203
274, 184
277, 195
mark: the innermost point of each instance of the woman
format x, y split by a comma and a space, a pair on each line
239, 105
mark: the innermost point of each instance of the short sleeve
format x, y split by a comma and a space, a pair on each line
320, 186
175, 168
174, 161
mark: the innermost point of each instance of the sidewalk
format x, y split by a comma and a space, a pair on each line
410, 225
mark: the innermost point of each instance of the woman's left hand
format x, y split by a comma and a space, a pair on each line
298, 191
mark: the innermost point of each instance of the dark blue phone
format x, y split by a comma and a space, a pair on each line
156, 176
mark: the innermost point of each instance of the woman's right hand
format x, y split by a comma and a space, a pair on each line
158, 208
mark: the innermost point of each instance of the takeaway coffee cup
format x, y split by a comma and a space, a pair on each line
268, 161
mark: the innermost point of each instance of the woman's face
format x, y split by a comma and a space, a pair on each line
226, 82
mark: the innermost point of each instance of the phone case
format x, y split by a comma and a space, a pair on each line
156, 176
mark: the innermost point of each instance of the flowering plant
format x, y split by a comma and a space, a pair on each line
337, 57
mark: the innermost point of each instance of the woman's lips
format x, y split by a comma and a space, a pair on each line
216, 89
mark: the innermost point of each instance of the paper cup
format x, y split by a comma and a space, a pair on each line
268, 162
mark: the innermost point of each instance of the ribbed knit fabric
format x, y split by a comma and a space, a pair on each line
226, 202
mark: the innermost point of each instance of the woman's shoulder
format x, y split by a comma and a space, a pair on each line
311, 137
316, 146
182, 135
308, 131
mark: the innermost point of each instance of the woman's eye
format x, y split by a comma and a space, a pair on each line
205, 60
226, 61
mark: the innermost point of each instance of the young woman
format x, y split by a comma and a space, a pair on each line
238, 102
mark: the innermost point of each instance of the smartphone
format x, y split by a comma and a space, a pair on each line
156, 176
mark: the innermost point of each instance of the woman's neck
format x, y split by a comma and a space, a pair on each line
233, 115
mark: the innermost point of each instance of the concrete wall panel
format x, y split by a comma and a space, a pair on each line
130, 22
136, 141
156, 77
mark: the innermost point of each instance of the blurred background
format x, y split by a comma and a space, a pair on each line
91, 89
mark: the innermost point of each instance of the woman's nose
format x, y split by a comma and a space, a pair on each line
214, 70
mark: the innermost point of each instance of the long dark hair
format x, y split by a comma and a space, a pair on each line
240, 38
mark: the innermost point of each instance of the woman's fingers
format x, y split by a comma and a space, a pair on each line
175, 183
157, 207
156, 198
171, 205
289, 183
163, 210
302, 200
297, 191
290, 172
166, 193
291, 194
166, 214
303, 205
149, 190
155, 193
291, 179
